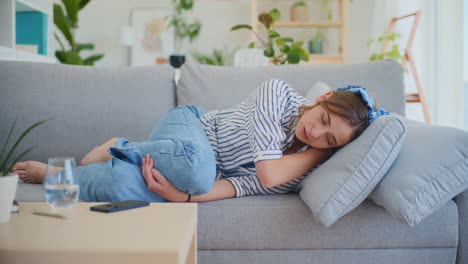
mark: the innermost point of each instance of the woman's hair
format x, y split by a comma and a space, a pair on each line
346, 105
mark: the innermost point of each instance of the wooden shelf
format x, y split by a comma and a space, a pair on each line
340, 24
307, 24
324, 59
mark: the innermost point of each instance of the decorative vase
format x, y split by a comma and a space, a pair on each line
8, 186
299, 14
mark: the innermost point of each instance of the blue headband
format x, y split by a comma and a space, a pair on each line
368, 100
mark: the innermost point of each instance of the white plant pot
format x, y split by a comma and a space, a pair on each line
8, 186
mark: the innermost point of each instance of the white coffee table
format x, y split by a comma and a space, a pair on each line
159, 233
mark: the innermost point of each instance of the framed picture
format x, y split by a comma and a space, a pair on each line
153, 40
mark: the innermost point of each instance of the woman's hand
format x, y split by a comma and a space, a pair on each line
158, 183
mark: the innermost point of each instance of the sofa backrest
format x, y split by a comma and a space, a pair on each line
88, 105
215, 87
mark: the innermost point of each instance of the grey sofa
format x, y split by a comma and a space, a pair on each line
90, 105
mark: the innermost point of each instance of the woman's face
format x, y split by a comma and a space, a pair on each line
321, 129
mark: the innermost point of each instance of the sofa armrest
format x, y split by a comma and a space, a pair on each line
462, 204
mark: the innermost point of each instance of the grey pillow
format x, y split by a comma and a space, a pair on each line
349, 176
431, 169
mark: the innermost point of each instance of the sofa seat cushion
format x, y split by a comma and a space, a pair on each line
285, 222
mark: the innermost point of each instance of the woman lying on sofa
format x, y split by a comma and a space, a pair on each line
265, 145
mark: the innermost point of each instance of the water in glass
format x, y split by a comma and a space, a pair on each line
61, 185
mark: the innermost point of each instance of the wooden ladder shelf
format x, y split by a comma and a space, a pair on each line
408, 58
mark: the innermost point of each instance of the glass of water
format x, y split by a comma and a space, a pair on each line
61, 184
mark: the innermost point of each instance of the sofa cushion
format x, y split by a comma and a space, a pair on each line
349, 176
431, 169
215, 87
283, 221
88, 105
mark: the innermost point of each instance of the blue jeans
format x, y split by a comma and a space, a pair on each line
181, 152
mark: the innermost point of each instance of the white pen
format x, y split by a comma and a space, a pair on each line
57, 215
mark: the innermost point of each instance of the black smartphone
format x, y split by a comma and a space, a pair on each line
118, 206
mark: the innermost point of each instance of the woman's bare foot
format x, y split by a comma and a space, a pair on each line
30, 171
99, 154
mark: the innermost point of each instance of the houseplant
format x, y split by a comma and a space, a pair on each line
220, 57
280, 50
182, 29
9, 181
67, 23
317, 42
299, 12
394, 52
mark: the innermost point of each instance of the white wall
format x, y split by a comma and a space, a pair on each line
101, 21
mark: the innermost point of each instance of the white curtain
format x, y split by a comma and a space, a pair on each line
449, 67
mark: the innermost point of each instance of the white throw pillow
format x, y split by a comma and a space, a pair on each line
317, 90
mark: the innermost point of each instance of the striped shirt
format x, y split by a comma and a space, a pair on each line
260, 128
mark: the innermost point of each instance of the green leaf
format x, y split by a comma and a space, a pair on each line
59, 41
70, 57
10, 165
330, 14
92, 59
301, 3
83, 3
273, 34
72, 7
369, 42
7, 141
265, 19
280, 42
186, 4
373, 57
60, 55
275, 15
84, 46
252, 45
193, 30
63, 24
287, 39
304, 54
285, 49
18, 141
297, 44
294, 57
241, 27
269, 52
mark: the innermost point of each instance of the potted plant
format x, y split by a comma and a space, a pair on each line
182, 29
299, 12
67, 23
9, 181
327, 9
220, 57
317, 42
394, 52
280, 50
